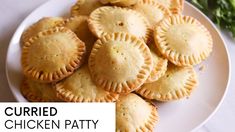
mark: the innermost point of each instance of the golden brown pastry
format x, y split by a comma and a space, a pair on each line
152, 10
175, 84
38, 92
79, 25
52, 55
84, 7
41, 25
175, 6
120, 2
159, 64
133, 114
183, 40
120, 62
79, 87
108, 19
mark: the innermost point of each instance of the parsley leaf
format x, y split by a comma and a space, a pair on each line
222, 12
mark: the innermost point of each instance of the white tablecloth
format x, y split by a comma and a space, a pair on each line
12, 13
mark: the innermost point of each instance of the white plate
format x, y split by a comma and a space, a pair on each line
185, 115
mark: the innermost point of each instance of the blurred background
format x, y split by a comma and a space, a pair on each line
221, 12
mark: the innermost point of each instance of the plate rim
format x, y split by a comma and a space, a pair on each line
186, 2
229, 69
10, 43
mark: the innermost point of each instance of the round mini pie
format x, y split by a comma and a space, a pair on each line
38, 92
183, 40
108, 19
133, 114
175, 6
159, 65
79, 87
120, 2
43, 24
52, 55
84, 7
152, 10
177, 83
79, 25
120, 62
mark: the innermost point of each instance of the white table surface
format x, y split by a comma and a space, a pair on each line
13, 12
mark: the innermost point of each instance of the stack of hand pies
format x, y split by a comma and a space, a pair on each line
124, 51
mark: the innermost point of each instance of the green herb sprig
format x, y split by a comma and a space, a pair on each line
222, 12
